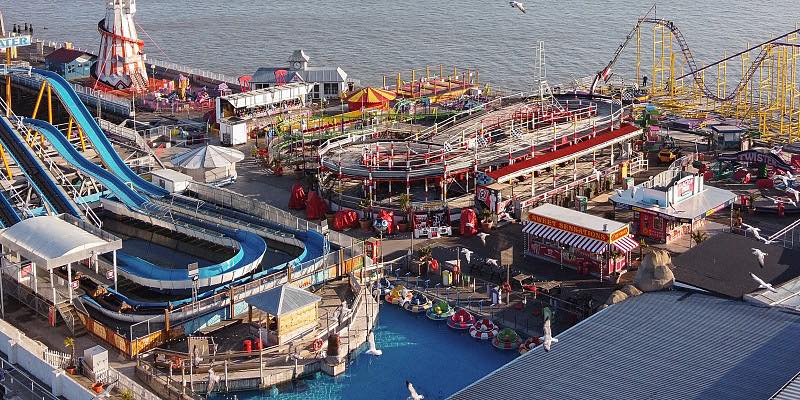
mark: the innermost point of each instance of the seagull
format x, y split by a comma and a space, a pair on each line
106, 393
767, 241
794, 192
752, 229
491, 261
517, 5
469, 224
372, 350
760, 255
548, 338
762, 284
508, 217
619, 192
213, 379
785, 179
467, 254
483, 236
413, 395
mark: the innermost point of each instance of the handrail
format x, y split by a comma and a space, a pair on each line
51, 165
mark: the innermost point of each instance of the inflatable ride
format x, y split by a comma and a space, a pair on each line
381, 287
440, 311
507, 339
461, 320
418, 303
484, 329
398, 295
529, 344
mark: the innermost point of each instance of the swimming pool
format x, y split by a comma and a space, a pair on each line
436, 359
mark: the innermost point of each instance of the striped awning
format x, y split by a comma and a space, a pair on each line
626, 244
564, 237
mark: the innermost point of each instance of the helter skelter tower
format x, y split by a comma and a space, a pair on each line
120, 63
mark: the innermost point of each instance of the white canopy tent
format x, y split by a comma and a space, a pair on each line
209, 163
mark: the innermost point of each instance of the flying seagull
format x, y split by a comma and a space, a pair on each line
491, 261
760, 255
467, 254
762, 284
372, 350
413, 395
794, 192
548, 338
483, 236
517, 5
213, 380
753, 230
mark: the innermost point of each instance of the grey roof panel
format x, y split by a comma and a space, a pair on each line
666, 345
282, 300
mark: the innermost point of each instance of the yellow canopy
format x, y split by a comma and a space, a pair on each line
369, 97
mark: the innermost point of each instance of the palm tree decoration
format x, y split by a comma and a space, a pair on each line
699, 236
70, 344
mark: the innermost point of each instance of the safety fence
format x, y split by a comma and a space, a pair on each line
227, 198
108, 102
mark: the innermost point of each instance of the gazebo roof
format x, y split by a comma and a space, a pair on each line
208, 157
282, 300
370, 95
52, 242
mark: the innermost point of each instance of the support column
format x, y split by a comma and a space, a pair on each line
69, 281
114, 257
35, 279
52, 286
533, 184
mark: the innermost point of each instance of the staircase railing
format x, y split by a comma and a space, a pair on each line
52, 166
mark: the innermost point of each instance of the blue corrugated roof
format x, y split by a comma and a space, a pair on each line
666, 345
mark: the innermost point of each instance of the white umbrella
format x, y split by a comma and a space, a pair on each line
208, 157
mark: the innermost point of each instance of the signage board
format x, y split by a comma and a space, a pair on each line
14, 41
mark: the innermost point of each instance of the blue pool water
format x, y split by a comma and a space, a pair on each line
436, 359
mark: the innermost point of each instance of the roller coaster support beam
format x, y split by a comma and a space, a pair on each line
734, 55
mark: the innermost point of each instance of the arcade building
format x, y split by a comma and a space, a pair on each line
671, 205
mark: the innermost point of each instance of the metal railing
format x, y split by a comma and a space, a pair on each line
131, 135
194, 71
316, 269
230, 199
114, 104
17, 379
57, 173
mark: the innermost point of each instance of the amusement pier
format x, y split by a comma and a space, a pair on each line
174, 233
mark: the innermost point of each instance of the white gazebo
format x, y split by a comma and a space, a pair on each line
209, 164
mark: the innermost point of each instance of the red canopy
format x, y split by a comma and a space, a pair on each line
468, 217
345, 219
297, 199
387, 216
315, 206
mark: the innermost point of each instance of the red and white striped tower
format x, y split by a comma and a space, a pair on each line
120, 63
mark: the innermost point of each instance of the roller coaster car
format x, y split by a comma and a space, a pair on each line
668, 154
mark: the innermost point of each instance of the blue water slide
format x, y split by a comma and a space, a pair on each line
127, 195
251, 250
28, 162
8, 215
93, 131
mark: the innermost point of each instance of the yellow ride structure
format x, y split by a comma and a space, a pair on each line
760, 89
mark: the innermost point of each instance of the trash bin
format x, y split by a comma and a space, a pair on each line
447, 278
581, 202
